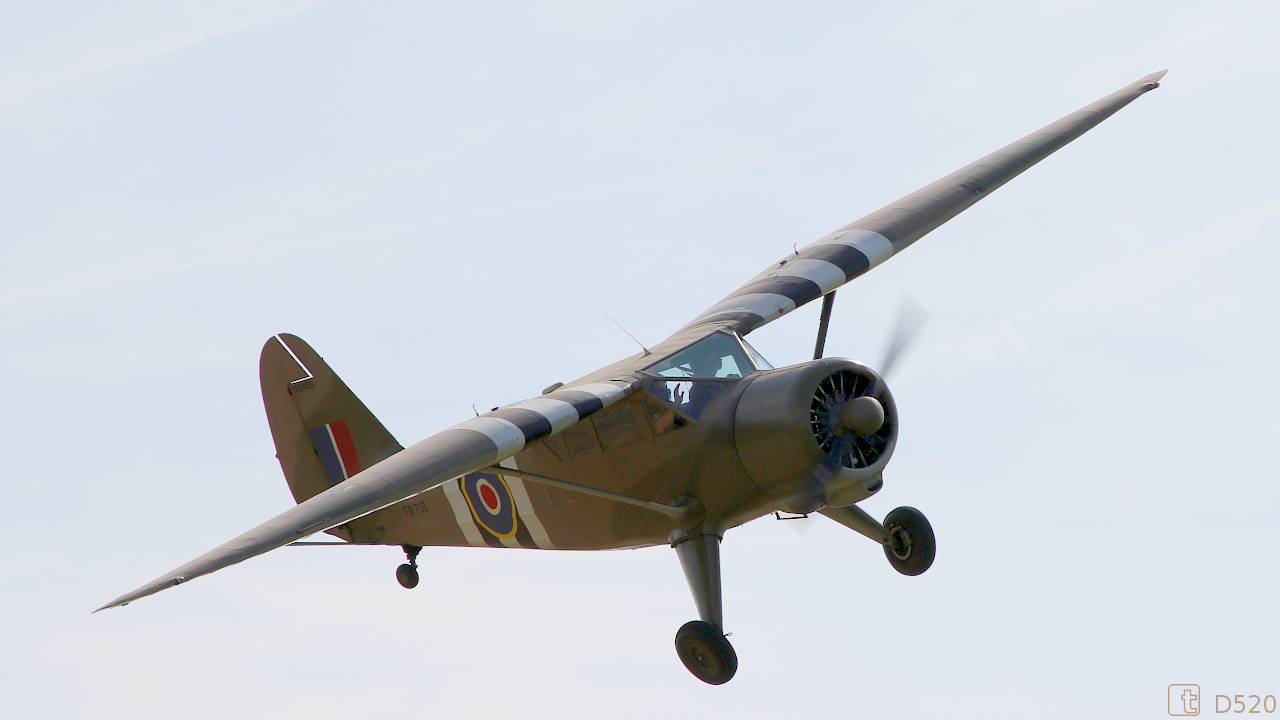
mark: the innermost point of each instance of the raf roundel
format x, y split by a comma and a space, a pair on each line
491, 503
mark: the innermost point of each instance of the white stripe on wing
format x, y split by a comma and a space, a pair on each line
505, 434
557, 412
875, 246
825, 275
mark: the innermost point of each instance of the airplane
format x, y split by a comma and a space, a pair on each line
671, 446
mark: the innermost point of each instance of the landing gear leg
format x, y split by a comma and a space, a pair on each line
906, 535
407, 574
701, 643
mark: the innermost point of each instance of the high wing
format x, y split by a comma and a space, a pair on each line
826, 264
462, 449
816, 270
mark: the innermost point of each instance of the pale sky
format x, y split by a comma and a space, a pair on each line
446, 200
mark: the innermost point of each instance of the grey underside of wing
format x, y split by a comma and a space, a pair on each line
413, 470
831, 261
465, 448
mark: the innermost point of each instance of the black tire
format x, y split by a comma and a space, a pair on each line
911, 545
407, 575
706, 652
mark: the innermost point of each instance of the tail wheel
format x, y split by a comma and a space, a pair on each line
407, 576
706, 652
910, 547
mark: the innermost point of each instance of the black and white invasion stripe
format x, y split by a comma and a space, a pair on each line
514, 426
817, 269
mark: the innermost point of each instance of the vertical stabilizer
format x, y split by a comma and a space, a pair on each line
323, 433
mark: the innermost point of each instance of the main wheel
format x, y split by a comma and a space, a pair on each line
407, 575
911, 546
706, 652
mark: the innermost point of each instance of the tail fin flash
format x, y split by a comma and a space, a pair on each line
323, 433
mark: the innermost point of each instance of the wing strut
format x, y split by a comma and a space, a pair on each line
827, 301
688, 510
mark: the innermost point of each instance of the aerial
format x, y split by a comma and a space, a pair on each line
810, 438
1082, 418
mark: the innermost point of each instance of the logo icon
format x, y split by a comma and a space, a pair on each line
1184, 700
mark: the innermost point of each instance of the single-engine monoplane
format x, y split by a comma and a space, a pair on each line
672, 446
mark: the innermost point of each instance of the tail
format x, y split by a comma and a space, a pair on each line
323, 433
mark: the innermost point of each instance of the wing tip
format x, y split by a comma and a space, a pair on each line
1152, 81
113, 604
142, 592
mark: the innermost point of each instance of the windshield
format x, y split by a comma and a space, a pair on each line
717, 356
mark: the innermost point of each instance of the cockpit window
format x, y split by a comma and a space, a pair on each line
720, 355
756, 358
701, 372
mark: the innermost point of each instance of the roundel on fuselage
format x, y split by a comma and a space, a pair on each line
491, 503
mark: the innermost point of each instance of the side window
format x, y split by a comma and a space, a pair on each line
662, 418
756, 358
617, 425
580, 440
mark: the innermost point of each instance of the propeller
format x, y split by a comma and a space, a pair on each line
850, 413
911, 317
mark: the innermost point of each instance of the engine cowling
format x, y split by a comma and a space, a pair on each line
801, 439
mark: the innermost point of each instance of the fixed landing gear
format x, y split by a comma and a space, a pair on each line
706, 652
905, 534
910, 546
701, 644
407, 574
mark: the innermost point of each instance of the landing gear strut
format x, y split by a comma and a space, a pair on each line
407, 574
701, 644
906, 535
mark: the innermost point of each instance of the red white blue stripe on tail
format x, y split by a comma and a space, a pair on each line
337, 451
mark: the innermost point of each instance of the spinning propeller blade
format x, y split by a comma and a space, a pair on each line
911, 317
